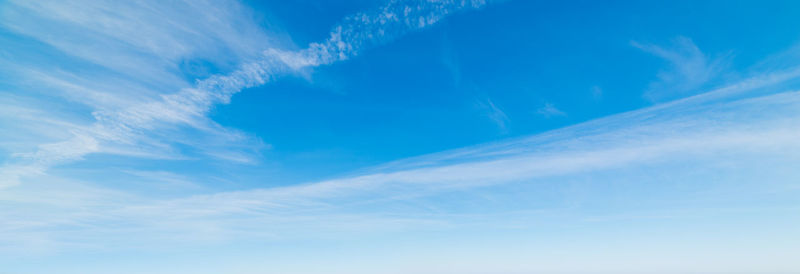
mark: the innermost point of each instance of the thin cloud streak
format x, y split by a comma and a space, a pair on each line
189, 107
495, 114
689, 130
690, 69
549, 111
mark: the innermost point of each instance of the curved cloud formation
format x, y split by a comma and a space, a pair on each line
715, 127
134, 123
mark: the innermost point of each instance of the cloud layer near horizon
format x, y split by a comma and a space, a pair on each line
704, 131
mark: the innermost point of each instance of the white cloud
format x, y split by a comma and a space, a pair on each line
706, 130
495, 114
116, 60
145, 41
548, 110
690, 69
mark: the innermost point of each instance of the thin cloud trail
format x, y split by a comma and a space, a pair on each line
687, 132
190, 106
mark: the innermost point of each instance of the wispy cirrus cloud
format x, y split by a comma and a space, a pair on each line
495, 114
548, 110
689, 69
717, 134
159, 116
81, 61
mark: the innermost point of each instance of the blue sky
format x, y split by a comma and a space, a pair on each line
399, 137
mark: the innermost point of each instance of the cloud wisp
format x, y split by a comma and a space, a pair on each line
548, 110
690, 69
698, 131
141, 122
